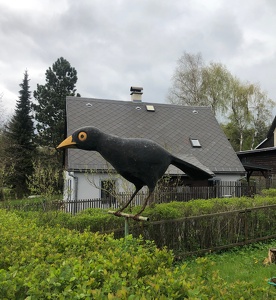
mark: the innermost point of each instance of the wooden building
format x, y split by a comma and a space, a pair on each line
261, 161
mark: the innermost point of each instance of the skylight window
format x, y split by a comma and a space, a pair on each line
150, 108
195, 143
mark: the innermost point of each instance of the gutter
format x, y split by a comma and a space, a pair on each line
75, 189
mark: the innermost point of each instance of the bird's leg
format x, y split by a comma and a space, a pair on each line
127, 204
145, 203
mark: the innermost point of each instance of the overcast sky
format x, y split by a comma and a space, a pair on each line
114, 44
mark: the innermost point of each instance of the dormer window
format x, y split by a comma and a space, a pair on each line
195, 143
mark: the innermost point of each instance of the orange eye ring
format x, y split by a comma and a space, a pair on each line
82, 136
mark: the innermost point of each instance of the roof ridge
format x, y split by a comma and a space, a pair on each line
139, 103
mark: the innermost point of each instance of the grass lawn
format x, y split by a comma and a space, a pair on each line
242, 264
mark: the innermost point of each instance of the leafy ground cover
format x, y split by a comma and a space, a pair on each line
42, 262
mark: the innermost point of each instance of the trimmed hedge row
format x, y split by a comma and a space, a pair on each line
39, 262
99, 220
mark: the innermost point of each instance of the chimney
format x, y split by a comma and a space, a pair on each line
136, 93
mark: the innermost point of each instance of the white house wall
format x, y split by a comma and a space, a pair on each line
228, 189
87, 186
228, 177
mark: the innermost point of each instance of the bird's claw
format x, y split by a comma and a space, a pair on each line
136, 217
117, 213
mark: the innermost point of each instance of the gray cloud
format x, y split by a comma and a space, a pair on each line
116, 44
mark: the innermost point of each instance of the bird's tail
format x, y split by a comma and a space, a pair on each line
193, 169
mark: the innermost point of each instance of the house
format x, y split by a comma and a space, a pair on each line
192, 133
261, 161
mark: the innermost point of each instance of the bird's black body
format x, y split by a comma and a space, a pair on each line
140, 161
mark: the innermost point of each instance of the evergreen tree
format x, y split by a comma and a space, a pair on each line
20, 148
50, 112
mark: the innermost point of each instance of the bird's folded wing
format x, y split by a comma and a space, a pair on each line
191, 166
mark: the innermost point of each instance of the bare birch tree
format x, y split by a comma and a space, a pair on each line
187, 81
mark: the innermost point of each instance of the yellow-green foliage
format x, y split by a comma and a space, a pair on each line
39, 262
269, 192
177, 209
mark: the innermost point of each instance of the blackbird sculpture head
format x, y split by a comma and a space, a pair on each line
86, 138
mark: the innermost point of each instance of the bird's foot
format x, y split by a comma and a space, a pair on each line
136, 217
118, 213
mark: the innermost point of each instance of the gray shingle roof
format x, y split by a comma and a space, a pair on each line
171, 126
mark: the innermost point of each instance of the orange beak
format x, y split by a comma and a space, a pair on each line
67, 143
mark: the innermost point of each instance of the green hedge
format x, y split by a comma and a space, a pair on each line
40, 262
99, 220
175, 210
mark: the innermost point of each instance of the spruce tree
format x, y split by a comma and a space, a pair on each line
50, 112
20, 148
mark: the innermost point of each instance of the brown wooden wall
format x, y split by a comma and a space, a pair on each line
266, 159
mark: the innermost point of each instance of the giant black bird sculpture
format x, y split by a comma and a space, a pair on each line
140, 161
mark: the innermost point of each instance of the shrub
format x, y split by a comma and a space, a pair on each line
99, 220
39, 262
269, 192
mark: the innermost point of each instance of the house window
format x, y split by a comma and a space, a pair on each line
108, 190
195, 143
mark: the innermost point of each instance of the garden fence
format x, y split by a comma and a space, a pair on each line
223, 189
212, 232
188, 235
